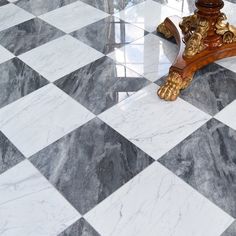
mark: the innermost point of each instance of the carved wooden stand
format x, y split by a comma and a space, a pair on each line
203, 38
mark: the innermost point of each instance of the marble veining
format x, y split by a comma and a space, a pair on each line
3, 2
17, 80
111, 33
73, 16
11, 15
5, 55
149, 56
212, 89
156, 202
39, 119
101, 84
90, 163
60, 57
28, 35
38, 7
9, 155
29, 204
152, 124
227, 115
112, 6
80, 228
207, 161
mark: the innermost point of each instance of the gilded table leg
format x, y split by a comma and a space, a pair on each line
171, 88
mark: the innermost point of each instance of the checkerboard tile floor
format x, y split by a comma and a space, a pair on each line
86, 146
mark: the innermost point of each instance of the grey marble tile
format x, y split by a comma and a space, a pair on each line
9, 154
108, 34
101, 84
207, 161
28, 35
90, 163
231, 231
17, 80
211, 90
112, 6
38, 7
80, 228
3, 2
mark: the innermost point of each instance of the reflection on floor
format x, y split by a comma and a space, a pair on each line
86, 146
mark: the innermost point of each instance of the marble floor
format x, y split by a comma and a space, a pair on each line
86, 146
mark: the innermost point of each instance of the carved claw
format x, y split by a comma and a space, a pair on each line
171, 88
164, 30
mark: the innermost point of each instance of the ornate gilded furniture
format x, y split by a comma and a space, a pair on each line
203, 38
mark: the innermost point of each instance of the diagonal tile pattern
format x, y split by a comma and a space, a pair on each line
149, 56
60, 57
17, 80
28, 35
157, 202
101, 84
41, 118
86, 146
38, 7
73, 16
90, 163
111, 33
206, 161
153, 124
28, 201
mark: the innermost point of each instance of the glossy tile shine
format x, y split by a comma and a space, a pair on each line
152, 124
111, 33
81, 125
112, 6
28, 35
147, 15
149, 56
101, 84
156, 202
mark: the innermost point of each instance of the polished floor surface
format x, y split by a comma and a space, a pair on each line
86, 146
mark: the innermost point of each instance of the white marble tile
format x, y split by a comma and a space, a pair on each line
30, 205
228, 114
40, 118
60, 57
230, 9
156, 202
147, 15
5, 55
149, 56
11, 15
152, 124
228, 63
73, 16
